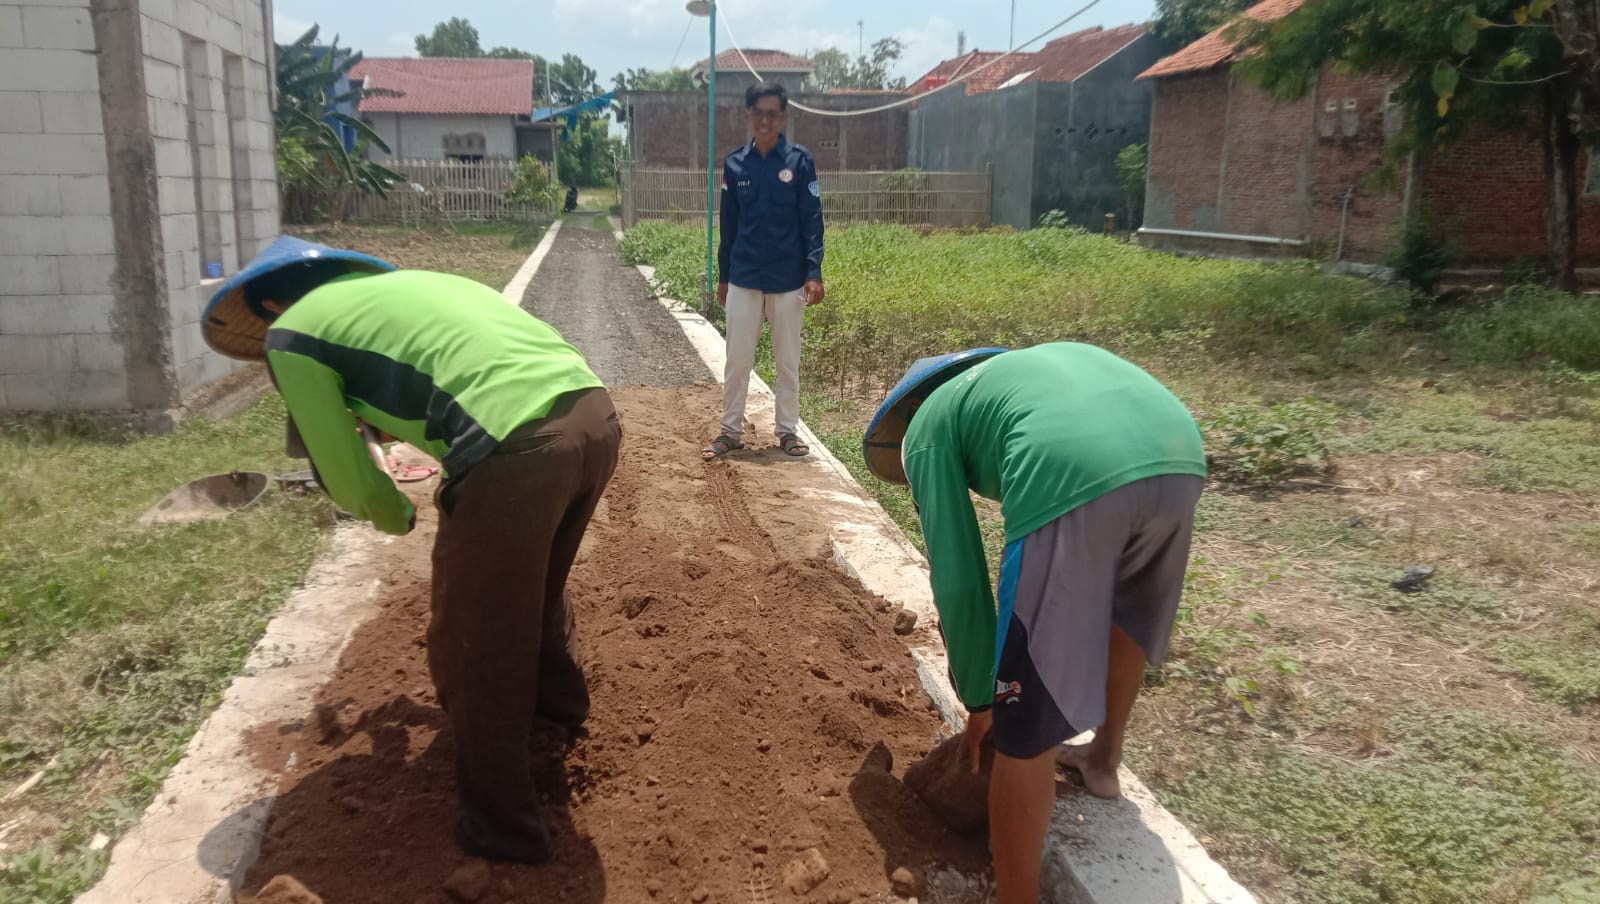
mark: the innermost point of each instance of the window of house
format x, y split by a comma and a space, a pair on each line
233, 102
201, 108
1394, 113
467, 148
1593, 185
1351, 118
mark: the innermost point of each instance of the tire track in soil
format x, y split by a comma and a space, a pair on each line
750, 703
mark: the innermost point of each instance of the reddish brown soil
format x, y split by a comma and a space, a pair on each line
748, 702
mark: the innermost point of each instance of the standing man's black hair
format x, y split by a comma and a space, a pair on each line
755, 92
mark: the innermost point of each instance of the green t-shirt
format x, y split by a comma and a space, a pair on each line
1042, 430
439, 361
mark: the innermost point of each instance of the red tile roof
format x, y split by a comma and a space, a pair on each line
442, 85
763, 61
1062, 60
969, 63
1215, 48
1067, 58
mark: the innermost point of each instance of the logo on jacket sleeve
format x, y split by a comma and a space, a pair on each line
816, 189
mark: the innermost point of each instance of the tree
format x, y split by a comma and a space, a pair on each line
653, 80
455, 38
572, 82
833, 68
1133, 166
1180, 23
317, 171
1460, 64
588, 155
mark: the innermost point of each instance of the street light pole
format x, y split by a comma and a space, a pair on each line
708, 8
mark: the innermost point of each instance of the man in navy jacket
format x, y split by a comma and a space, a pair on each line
770, 263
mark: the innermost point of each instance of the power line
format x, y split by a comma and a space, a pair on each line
688, 25
910, 100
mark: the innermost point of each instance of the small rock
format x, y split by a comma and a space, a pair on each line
469, 881
352, 805
905, 883
805, 872
645, 733
699, 895
323, 725
872, 665
286, 890
763, 745
884, 605
905, 621
760, 847
1415, 579
654, 887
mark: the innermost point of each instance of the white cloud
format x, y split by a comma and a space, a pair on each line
287, 28
400, 43
927, 45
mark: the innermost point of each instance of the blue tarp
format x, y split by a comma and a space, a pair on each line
570, 114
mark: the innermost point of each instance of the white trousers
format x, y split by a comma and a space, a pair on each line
746, 310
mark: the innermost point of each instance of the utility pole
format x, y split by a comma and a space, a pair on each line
861, 37
961, 43
1012, 43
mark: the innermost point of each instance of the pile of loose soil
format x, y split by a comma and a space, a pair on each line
749, 704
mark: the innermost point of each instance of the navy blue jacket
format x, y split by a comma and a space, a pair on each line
771, 219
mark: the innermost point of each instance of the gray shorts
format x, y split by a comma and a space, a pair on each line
1115, 560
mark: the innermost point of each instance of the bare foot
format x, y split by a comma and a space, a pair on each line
1099, 774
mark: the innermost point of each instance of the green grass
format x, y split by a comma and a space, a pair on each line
1346, 759
1466, 808
117, 640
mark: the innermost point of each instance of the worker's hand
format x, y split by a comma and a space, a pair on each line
978, 725
814, 292
722, 294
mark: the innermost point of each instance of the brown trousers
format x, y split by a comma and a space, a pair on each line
501, 643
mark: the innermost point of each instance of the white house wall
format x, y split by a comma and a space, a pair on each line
420, 136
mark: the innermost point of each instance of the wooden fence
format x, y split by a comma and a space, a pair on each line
448, 190
906, 197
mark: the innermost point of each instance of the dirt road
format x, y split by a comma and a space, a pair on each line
749, 701
752, 705
602, 306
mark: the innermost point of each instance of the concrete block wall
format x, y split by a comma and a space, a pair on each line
101, 310
58, 347
215, 169
421, 136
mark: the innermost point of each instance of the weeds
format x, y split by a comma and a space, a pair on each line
1262, 446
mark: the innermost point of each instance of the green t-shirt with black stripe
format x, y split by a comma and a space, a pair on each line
439, 361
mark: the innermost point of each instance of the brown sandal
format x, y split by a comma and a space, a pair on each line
721, 446
792, 445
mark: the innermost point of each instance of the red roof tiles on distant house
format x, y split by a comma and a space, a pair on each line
1215, 48
448, 86
1062, 60
764, 61
1067, 58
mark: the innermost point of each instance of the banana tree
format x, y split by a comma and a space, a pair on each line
318, 168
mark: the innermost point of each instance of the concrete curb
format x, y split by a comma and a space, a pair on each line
1129, 851
194, 843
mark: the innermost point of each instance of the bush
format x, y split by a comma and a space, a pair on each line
1526, 324
532, 186
1262, 446
1419, 259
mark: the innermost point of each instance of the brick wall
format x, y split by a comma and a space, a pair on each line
1487, 195
668, 131
57, 346
73, 334
1352, 121
1186, 141
1266, 173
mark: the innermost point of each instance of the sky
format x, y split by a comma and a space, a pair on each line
613, 35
